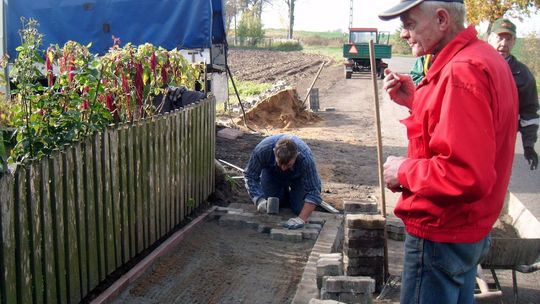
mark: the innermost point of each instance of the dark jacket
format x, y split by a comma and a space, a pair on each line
528, 101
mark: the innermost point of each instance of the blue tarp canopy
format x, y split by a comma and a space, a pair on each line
183, 24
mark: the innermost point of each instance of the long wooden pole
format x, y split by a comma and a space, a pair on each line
313, 82
379, 149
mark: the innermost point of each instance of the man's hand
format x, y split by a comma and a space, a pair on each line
294, 223
399, 87
391, 167
531, 156
262, 205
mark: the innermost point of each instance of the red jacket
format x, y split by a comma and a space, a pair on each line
462, 133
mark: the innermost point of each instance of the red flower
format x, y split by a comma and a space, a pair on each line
71, 71
85, 105
153, 62
139, 86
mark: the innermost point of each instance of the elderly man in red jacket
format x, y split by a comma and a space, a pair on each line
461, 131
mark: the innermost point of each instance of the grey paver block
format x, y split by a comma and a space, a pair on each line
353, 207
316, 220
335, 255
328, 267
313, 226
363, 261
367, 243
310, 234
362, 252
354, 234
365, 221
361, 284
286, 235
363, 270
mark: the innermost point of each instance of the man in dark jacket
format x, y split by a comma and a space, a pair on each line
503, 38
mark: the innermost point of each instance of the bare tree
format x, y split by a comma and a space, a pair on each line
290, 6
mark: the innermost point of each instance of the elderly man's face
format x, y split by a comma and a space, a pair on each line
503, 43
420, 30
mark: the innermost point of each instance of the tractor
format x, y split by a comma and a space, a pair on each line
356, 52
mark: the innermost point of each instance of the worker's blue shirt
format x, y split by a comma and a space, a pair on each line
263, 158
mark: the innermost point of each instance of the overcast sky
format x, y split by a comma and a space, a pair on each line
330, 15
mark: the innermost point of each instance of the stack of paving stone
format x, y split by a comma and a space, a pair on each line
245, 216
395, 228
334, 286
363, 244
348, 289
329, 264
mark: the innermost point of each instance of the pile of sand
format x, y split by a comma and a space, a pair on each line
282, 110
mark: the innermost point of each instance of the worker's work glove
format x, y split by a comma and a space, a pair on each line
262, 205
531, 156
294, 223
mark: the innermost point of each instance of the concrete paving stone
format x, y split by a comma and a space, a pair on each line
335, 255
355, 207
313, 226
316, 220
362, 252
325, 295
328, 267
371, 270
283, 234
364, 243
359, 284
319, 301
310, 234
363, 261
229, 133
354, 234
347, 297
365, 221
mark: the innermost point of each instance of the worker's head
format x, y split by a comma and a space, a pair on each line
286, 152
503, 36
428, 25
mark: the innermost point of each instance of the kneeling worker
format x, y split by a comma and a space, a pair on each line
282, 166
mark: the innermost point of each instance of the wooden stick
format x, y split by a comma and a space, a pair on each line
313, 83
379, 150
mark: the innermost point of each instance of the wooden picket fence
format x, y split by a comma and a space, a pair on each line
68, 221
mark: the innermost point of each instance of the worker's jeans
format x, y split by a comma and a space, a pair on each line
443, 273
289, 189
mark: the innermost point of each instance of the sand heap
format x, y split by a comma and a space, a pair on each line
282, 110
